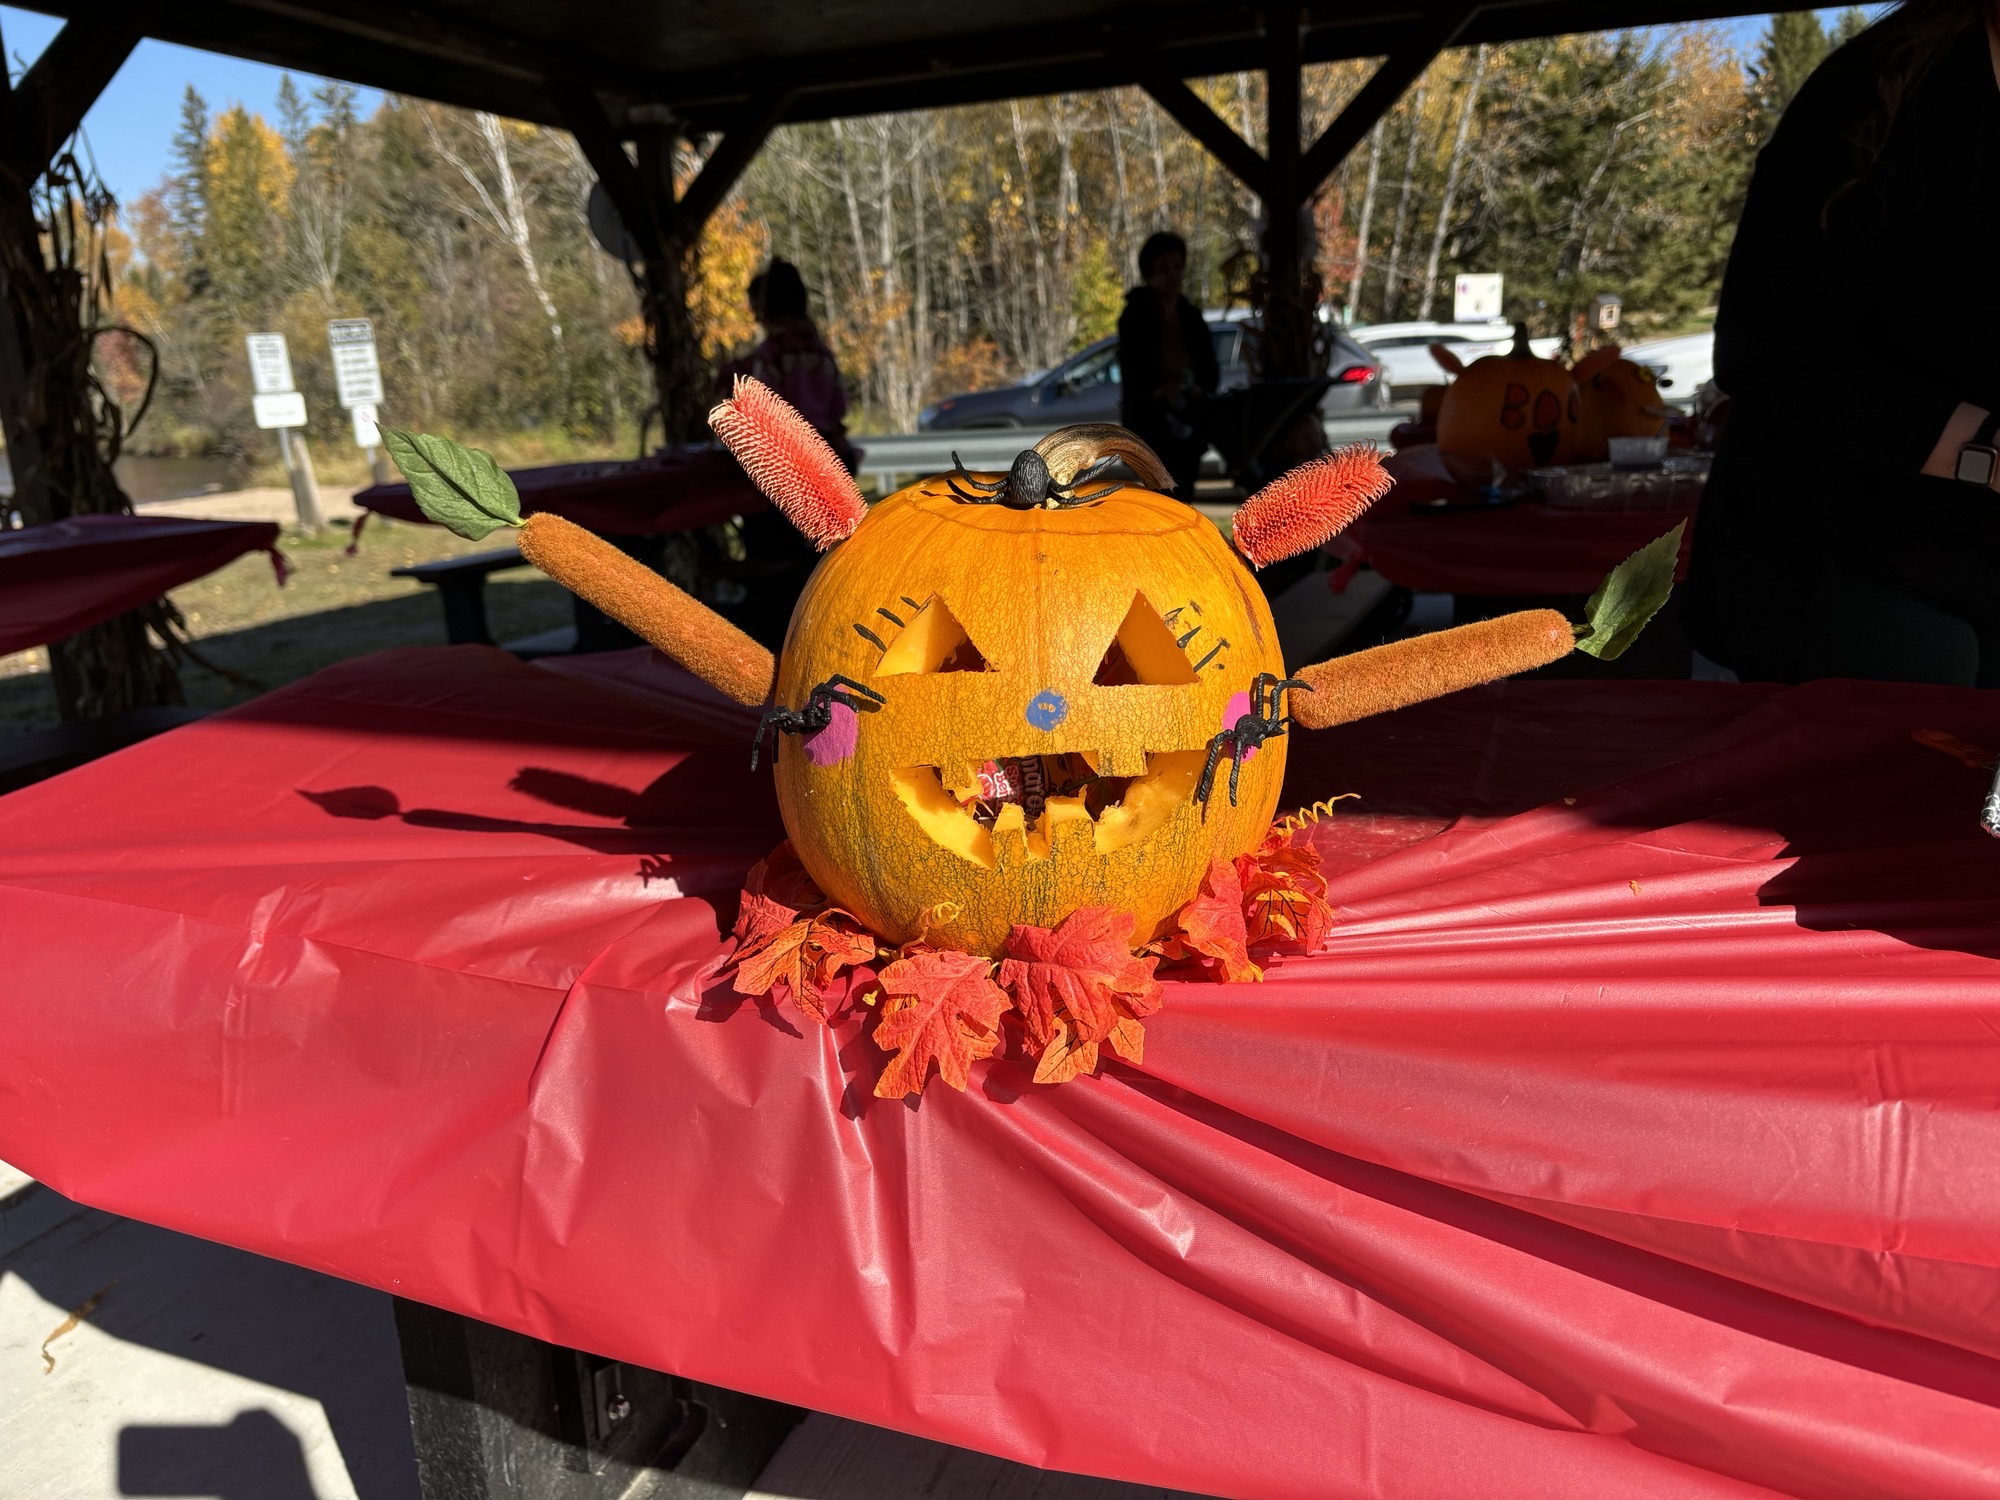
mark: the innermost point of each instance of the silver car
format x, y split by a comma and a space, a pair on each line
1085, 387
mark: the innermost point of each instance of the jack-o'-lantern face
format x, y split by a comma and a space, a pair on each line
1516, 408
1052, 680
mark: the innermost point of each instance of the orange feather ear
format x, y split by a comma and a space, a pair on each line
789, 462
1309, 506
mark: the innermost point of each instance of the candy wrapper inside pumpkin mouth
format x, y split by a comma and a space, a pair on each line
1039, 796
1030, 780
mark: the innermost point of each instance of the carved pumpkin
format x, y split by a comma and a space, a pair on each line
1096, 649
1620, 399
1522, 411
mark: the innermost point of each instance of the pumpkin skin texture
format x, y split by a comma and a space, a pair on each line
986, 629
1620, 399
1522, 411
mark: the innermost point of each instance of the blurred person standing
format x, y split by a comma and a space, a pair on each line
1167, 361
793, 359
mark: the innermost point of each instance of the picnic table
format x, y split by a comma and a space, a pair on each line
1475, 549
1635, 1135
679, 490
69, 575
634, 503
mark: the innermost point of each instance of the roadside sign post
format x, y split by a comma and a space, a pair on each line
279, 406
357, 377
1477, 297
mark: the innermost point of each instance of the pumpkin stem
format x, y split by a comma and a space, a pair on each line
1068, 451
1522, 348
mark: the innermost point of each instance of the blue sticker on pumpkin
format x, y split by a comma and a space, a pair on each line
1047, 709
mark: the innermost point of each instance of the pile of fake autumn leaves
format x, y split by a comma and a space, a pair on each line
1072, 990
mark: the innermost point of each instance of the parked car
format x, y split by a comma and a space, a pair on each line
1681, 366
1405, 349
1085, 387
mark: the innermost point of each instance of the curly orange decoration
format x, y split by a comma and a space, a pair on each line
789, 462
1311, 505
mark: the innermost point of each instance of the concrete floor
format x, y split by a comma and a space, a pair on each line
137, 1361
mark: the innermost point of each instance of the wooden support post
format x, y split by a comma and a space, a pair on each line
1286, 304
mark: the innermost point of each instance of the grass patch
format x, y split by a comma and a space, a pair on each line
334, 607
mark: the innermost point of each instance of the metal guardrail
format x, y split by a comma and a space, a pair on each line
887, 457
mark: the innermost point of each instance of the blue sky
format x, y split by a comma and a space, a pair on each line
130, 131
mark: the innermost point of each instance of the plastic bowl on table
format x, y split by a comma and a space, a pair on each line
1638, 452
1673, 484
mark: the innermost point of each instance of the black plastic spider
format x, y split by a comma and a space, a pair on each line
818, 712
1266, 720
1029, 485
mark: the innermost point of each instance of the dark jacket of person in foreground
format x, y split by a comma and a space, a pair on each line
1171, 425
1860, 311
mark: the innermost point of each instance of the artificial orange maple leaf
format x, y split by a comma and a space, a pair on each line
938, 1006
776, 892
1284, 893
1084, 967
804, 958
1065, 1057
1212, 928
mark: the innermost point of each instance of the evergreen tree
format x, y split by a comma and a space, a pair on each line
1850, 24
1792, 47
187, 188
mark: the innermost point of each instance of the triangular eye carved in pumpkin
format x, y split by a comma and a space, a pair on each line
1144, 651
932, 641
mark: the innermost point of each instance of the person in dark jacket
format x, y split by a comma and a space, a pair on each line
1851, 526
1167, 361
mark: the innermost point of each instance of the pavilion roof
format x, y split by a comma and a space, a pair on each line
708, 61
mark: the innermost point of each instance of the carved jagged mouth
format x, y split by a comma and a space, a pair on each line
1046, 801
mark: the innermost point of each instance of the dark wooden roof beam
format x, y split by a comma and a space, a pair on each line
53, 96
1205, 125
726, 163
1401, 68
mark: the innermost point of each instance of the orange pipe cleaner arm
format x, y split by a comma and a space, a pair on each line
652, 608
1428, 666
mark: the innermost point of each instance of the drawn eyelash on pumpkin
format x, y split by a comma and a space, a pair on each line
869, 635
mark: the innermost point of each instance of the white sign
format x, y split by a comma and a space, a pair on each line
1477, 297
366, 433
280, 409
356, 373
270, 363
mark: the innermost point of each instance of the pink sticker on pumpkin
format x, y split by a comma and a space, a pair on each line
1239, 705
835, 743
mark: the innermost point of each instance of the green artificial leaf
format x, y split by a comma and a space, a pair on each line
1631, 594
460, 488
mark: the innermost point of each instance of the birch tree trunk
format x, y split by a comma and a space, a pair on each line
1367, 220
1392, 290
509, 217
1451, 179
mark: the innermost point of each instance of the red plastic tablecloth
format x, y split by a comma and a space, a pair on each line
676, 491
64, 577
1507, 551
1637, 1135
